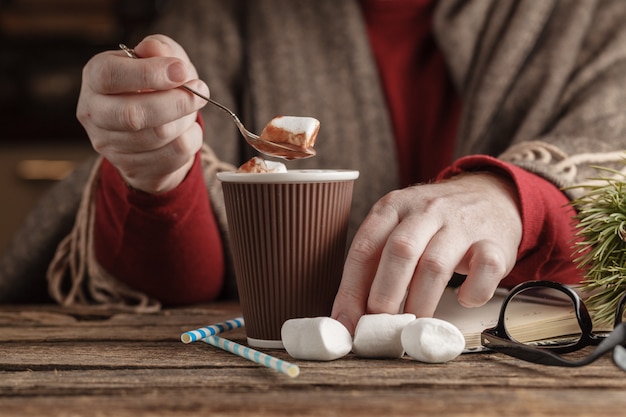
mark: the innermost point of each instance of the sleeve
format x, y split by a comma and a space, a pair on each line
575, 117
542, 85
166, 245
545, 251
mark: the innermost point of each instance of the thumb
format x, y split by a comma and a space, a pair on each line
164, 46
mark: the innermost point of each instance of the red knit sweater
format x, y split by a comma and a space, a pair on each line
168, 245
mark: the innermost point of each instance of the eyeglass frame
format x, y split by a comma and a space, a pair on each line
499, 340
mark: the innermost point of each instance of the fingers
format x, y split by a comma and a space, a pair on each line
401, 253
114, 73
160, 45
144, 140
381, 261
485, 264
136, 111
435, 268
488, 264
163, 65
360, 267
159, 170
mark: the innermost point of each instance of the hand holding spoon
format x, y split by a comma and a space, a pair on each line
263, 144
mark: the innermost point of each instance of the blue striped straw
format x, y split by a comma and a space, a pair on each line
201, 333
254, 355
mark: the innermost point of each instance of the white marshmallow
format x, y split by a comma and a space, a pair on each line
299, 131
378, 335
296, 124
316, 339
432, 340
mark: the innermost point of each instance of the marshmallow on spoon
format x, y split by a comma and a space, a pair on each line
298, 131
378, 335
432, 340
316, 339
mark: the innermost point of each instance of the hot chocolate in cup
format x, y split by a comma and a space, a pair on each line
288, 240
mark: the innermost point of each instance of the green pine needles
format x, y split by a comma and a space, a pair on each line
601, 249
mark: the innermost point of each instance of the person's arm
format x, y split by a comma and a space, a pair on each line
167, 245
154, 229
476, 222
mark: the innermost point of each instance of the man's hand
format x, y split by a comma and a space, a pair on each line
137, 118
414, 239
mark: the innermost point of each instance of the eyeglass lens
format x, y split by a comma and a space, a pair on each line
542, 316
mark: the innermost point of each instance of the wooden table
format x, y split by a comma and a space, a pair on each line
58, 362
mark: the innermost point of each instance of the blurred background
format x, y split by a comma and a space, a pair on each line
43, 47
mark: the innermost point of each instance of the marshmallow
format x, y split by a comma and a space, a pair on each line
316, 339
378, 335
298, 131
432, 340
259, 165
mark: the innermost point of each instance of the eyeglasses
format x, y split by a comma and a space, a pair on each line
545, 307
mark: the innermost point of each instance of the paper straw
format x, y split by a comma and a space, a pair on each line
212, 330
253, 355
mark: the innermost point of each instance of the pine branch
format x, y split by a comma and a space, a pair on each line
601, 249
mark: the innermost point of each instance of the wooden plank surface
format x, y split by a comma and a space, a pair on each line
55, 362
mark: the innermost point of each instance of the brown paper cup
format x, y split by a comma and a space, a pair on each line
288, 237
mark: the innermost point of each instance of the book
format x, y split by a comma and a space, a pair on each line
533, 321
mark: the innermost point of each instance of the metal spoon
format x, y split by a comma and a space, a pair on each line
279, 150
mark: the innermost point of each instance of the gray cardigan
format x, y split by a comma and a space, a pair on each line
542, 84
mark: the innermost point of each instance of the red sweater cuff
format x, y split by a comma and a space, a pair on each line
166, 245
162, 203
545, 251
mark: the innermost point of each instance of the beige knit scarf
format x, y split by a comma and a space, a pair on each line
76, 279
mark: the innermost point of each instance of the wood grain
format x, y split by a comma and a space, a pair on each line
55, 362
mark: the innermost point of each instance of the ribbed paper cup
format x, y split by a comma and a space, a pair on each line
288, 238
